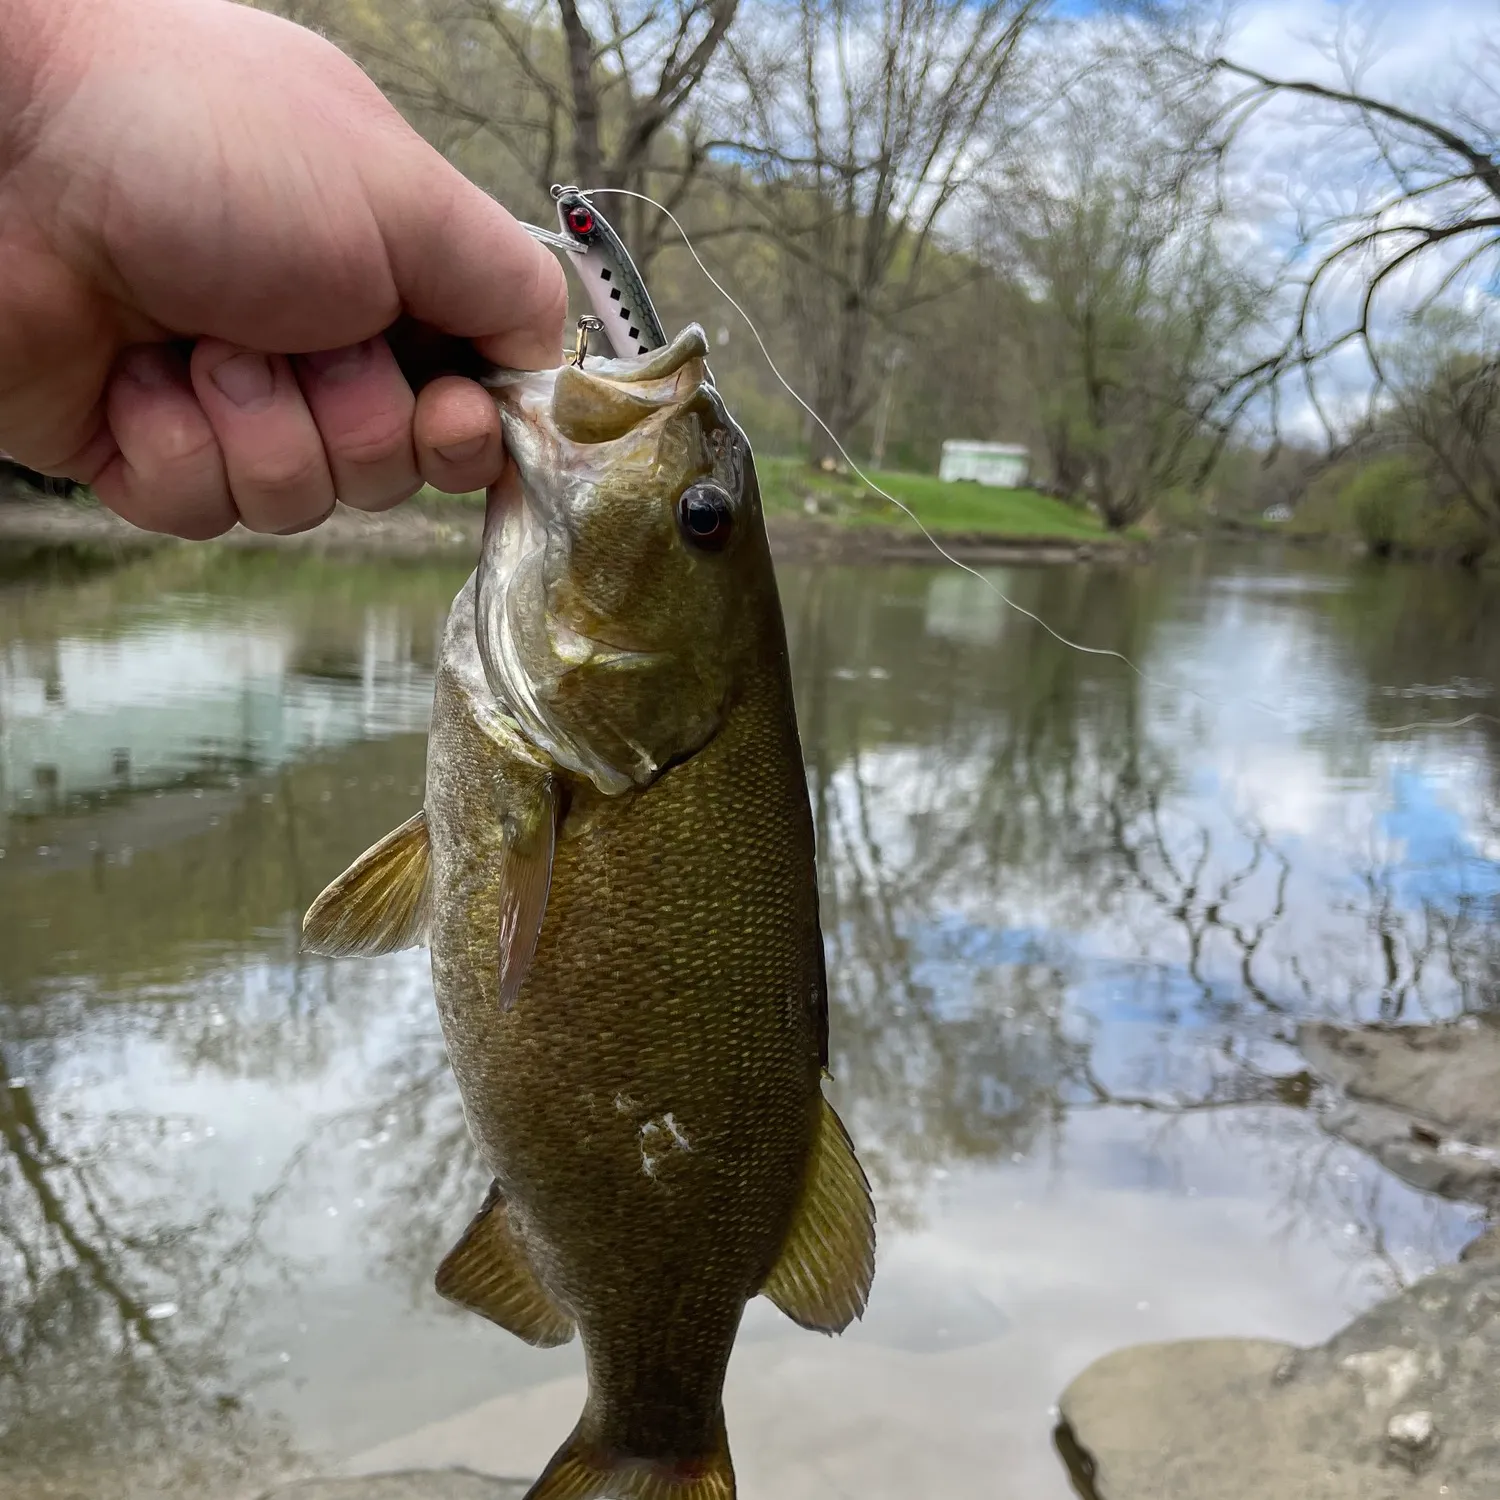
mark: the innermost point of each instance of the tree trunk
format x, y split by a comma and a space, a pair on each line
840, 385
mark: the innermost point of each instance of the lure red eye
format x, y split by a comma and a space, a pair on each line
580, 221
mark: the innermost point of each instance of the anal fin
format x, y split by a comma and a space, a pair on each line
487, 1272
823, 1275
381, 903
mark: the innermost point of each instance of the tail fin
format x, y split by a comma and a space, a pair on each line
578, 1472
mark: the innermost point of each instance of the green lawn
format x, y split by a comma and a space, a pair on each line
788, 483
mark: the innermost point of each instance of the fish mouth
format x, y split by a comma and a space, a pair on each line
691, 343
585, 406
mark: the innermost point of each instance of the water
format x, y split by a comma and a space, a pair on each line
1072, 920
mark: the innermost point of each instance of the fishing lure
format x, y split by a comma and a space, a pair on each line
616, 292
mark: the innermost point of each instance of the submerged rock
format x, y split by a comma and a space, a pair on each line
410, 1484
1404, 1402
1424, 1101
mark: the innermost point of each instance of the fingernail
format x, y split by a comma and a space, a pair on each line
457, 453
524, 351
300, 526
340, 364
246, 379
149, 366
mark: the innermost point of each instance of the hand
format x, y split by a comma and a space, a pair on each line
208, 219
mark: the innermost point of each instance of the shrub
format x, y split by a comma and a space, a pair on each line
1384, 501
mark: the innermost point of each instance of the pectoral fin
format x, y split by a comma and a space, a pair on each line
487, 1272
380, 904
822, 1279
529, 838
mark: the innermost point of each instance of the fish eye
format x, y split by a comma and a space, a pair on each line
580, 220
706, 515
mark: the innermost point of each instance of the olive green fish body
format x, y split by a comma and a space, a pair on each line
647, 1105
614, 870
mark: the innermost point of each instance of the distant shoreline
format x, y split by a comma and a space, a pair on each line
439, 529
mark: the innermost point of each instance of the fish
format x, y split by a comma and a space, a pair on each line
614, 869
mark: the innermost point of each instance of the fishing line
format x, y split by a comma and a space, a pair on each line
1020, 609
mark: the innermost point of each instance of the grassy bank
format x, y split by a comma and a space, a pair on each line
791, 487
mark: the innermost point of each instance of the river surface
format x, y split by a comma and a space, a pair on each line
1073, 916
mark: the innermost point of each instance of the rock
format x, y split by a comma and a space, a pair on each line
410, 1484
1411, 1438
1485, 1247
1423, 1100
1407, 1388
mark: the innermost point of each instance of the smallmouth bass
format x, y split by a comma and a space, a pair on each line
613, 868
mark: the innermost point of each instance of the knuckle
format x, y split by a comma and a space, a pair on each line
291, 472
377, 439
181, 441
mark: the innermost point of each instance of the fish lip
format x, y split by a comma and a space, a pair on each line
602, 652
690, 344
524, 399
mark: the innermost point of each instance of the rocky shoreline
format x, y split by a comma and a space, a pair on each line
1404, 1401
443, 529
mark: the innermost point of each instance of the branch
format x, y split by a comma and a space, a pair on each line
1484, 168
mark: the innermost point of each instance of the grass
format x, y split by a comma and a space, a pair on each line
789, 486
427, 497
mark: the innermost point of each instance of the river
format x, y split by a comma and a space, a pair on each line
1073, 915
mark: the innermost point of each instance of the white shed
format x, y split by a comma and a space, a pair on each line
1002, 464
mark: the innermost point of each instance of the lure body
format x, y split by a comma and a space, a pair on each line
610, 280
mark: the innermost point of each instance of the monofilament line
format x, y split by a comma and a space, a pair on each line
936, 545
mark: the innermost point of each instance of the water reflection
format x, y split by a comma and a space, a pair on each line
1073, 918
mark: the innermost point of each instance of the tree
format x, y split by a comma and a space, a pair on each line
599, 95
860, 124
1127, 303
1415, 213
1445, 400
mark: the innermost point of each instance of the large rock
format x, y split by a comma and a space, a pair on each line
1403, 1403
1423, 1100
410, 1484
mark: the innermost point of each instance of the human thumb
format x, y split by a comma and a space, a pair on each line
462, 264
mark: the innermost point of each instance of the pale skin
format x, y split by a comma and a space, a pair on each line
209, 219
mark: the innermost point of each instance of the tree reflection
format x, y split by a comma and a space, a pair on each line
101, 1382
1004, 875
1027, 911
